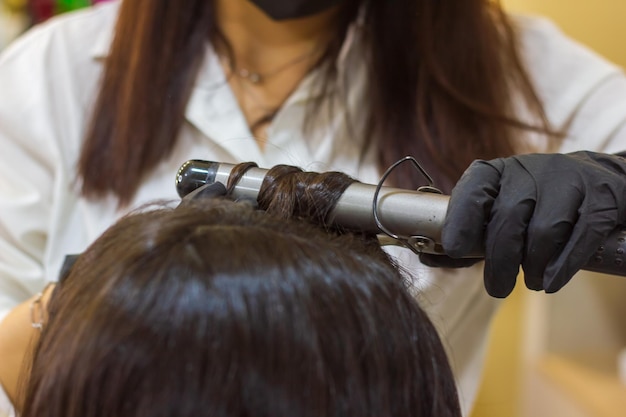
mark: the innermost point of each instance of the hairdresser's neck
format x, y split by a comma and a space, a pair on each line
257, 39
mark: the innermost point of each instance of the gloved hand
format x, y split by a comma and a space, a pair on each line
546, 212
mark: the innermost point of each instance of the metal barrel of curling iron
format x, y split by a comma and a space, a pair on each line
415, 216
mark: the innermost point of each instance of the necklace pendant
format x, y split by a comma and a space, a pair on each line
255, 78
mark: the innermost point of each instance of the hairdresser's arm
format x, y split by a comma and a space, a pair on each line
547, 212
17, 339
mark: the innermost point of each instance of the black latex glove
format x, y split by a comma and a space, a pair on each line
546, 212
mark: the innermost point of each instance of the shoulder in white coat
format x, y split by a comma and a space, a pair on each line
47, 83
584, 94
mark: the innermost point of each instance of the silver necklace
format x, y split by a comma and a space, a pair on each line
256, 77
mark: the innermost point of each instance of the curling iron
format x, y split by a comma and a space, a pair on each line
413, 217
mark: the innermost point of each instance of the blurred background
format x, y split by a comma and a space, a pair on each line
17, 15
549, 355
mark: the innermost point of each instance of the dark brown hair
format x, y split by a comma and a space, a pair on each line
448, 76
217, 309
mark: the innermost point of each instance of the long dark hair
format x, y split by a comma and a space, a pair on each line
446, 75
218, 309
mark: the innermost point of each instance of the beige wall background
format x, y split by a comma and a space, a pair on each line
601, 25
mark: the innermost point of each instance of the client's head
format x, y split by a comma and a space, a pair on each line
217, 309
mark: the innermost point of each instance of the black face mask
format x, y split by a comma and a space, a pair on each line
293, 9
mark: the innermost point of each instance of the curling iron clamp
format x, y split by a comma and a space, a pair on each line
411, 218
